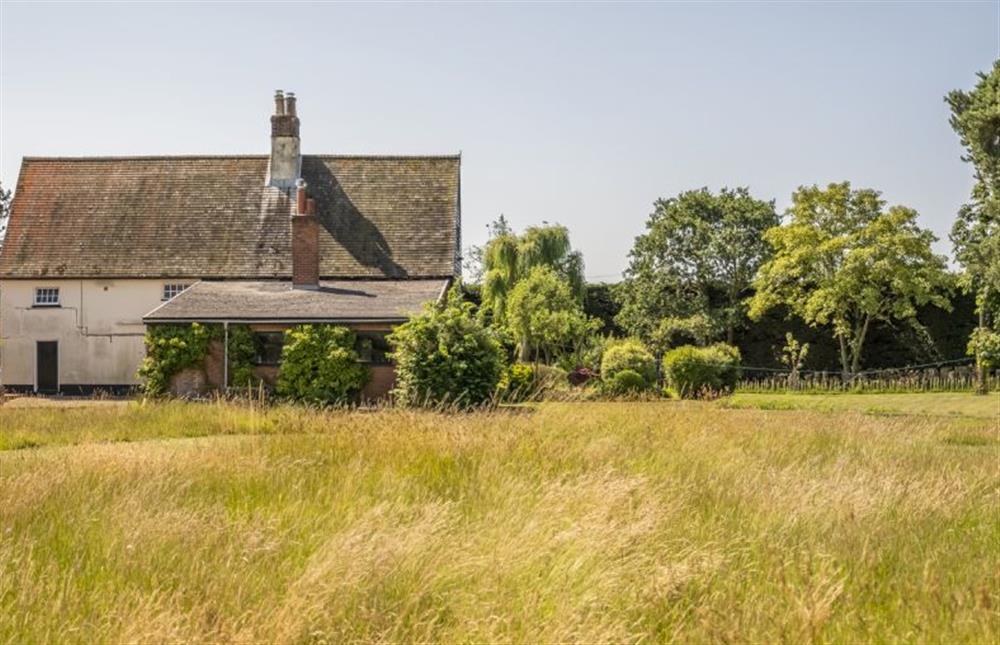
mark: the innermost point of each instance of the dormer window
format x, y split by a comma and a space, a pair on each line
171, 290
46, 296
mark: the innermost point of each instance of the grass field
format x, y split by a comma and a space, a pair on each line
687, 522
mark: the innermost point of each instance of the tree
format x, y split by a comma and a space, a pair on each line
975, 117
694, 264
846, 261
546, 317
5, 199
509, 258
446, 355
473, 265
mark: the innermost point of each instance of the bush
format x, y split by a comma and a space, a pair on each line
628, 354
517, 383
627, 382
446, 355
242, 350
170, 349
696, 371
319, 365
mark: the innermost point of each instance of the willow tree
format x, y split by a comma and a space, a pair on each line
509, 258
975, 117
845, 260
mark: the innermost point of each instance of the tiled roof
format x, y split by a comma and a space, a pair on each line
353, 300
213, 217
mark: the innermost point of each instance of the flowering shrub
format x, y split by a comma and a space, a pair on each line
517, 383
319, 365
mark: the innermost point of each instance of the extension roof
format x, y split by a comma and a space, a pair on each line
214, 217
334, 301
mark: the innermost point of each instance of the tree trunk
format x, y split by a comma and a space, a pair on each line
523, 351
845, 371
980, 369
856, 349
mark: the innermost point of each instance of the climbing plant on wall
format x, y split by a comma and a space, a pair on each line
172, 348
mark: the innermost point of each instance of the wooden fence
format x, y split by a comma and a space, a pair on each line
943, 379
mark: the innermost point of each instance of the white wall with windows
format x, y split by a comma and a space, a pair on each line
97, 324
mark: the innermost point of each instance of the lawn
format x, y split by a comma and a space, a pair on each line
686, 522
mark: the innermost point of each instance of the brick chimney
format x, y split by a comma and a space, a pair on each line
285, 160
305, 241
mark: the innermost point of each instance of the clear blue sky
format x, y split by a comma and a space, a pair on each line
581, 114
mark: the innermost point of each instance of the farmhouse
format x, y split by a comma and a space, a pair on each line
98, 248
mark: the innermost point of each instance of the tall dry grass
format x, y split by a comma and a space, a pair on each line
576, 522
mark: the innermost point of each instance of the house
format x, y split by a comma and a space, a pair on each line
98, 248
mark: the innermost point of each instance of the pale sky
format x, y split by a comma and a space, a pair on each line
581, 114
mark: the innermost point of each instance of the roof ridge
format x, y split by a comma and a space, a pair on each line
233, 156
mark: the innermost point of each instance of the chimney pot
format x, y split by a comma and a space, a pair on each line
279, 103
290, 104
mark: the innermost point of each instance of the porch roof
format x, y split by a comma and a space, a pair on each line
277, 301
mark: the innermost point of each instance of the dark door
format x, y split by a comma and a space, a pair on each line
47, 364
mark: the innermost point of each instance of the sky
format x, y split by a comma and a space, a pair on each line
581, 114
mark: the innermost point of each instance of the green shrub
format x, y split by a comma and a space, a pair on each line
170, 349
319, 365
695, 371
628, 354
627, 382
446, 355
517, 383
241, 352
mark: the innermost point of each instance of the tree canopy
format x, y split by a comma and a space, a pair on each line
975, 117
509, 258
689, 272
845, 260
546, 317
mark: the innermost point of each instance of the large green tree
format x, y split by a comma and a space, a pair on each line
975, 117
846, 261
691, 269
545, 316
509, 258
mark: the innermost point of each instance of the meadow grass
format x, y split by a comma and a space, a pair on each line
593, 522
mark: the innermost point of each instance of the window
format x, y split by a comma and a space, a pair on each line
47, 296
269, 344
373, 348
171, 290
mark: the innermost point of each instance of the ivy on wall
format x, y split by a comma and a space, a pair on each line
172, 348
320, 365
242, 351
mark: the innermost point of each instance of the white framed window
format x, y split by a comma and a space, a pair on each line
172, 289
46, 296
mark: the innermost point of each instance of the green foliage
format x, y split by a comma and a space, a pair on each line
446, 355
510, 258
5, 201
627, 382
628, 354
697, 246
984, 344
844, 260
242, 350
695, 371
975, 117
170, 349
793, 356
545, 317
517, 383
319, 365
